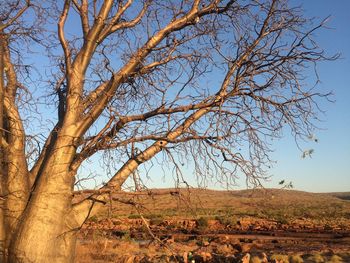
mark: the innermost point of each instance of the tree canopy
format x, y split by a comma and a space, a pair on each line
208, 81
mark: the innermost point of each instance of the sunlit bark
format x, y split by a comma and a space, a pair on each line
3, 171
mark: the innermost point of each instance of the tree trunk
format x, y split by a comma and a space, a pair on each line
44, 234
2, 217
47, 231
2, 155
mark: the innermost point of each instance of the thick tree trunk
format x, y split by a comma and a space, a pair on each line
46, 232
43, 234
2, 155
2, 220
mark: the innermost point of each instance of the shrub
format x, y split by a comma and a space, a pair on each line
296, 259
134, 216
156, 221
154, 216
203, 242
226, 220
255, 259
280, 258
335, 259
317, 258
127, 236
93, 219
202, 222
120, 233
283, 220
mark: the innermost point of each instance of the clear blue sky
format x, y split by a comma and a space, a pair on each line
328, 170
329, 167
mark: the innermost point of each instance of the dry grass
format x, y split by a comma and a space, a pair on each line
227, 207
275, 204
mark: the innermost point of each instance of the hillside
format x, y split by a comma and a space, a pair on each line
264, 203
175, 225
341, 195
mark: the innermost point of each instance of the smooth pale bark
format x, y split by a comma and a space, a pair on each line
17, 174
2, 156
16, 190
2, 224
2, 218
45, 231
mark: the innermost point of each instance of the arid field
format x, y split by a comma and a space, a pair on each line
195, 225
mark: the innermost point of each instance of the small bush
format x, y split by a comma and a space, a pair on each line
202, 222
93, 219
156, 221
117, 223
226, 220
134, 216
203, 242
296, 259
335, 259
280, 258
127, 236
317, 258
255, 259
154, 216
283, 221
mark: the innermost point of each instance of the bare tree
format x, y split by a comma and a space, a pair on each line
209, 80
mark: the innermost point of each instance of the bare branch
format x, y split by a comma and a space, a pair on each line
115, 25
12, 20
63, 41
83, 10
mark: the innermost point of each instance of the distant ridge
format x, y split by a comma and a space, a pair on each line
265, 203
341, 195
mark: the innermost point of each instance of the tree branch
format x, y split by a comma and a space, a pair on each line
12, 20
